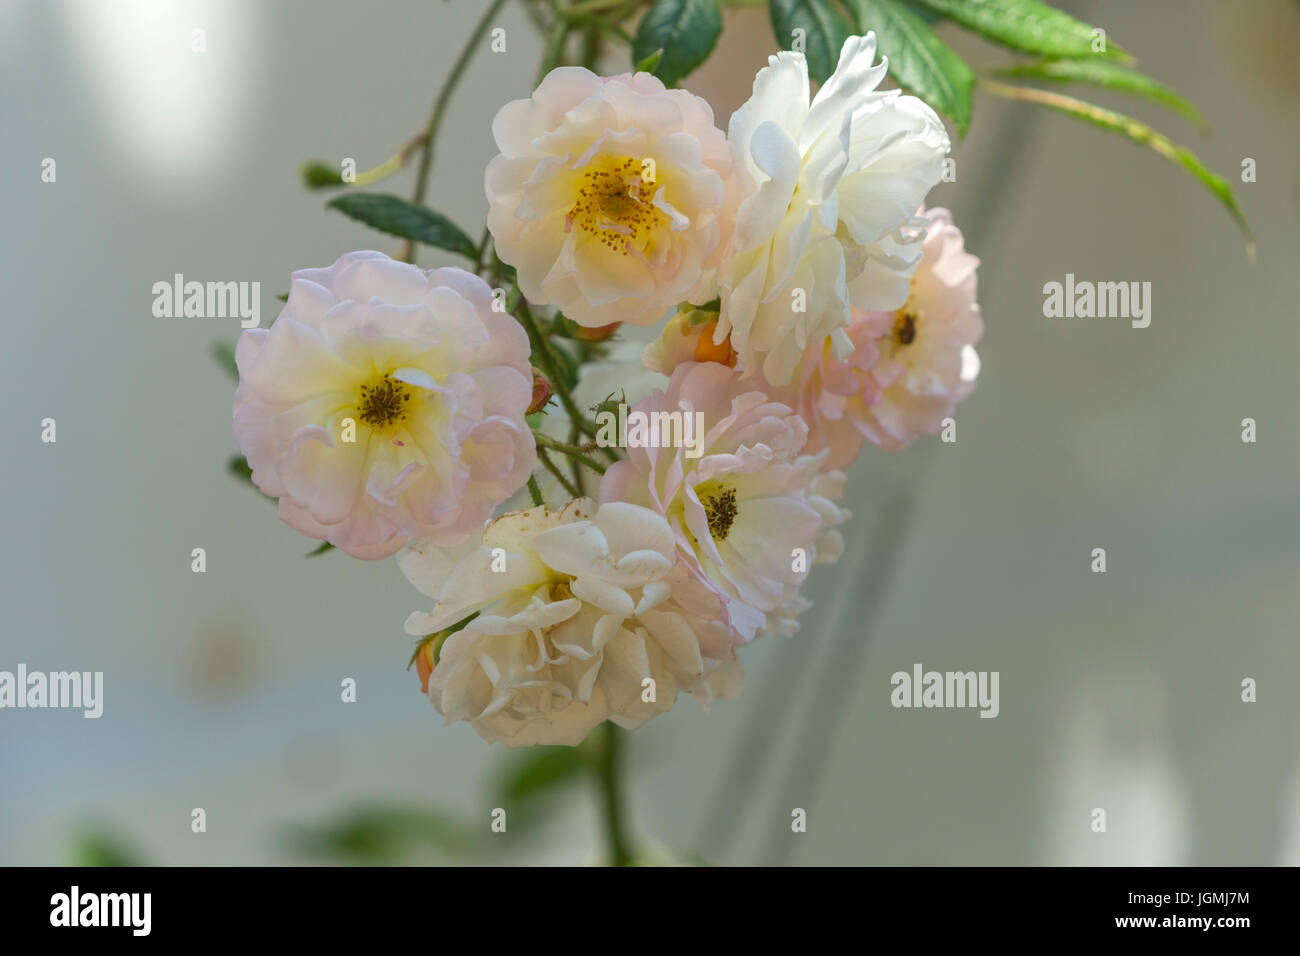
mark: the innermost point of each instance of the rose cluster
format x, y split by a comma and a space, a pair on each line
808, 304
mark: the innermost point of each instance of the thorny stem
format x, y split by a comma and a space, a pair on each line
554, 469
535, 491
573, 451
574, 436
551, 366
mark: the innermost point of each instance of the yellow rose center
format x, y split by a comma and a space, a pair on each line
383, 402
615, 203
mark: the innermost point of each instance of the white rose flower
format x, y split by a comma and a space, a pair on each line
829, 219
576, 623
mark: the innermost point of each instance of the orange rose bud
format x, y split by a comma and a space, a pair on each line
598, 334
541, 392
706, 351
424, 666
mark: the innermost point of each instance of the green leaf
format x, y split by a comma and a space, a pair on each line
1025, 25
683, 31
1139, 133
530, 781
224, 354
437, 639
398, 217
824, 29
238, 466
1105, 74
381, 834
539, 772
918, 59
929, 16
320, 549
649, 63
97, 845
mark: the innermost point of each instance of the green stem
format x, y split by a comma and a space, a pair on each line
535, 491
573, 451
551, 367
480, 263
591, 47
550, 466
574, 466
440, 108
609, 778
584, 7
554, 54
391, 165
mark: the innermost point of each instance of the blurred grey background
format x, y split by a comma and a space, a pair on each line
1120, 691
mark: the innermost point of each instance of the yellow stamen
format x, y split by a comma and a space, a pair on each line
720, 509
615, 205
383, 402
905, 327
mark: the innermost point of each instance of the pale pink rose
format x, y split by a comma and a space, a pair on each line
824, 494
833, 396
612, 197
741, 511
927, 358
577, 622
385, 403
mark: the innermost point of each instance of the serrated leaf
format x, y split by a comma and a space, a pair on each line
823, 26
918, 60
1139, 133
1025, 25
224, 354
398, 217
1105, 74
685, 30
